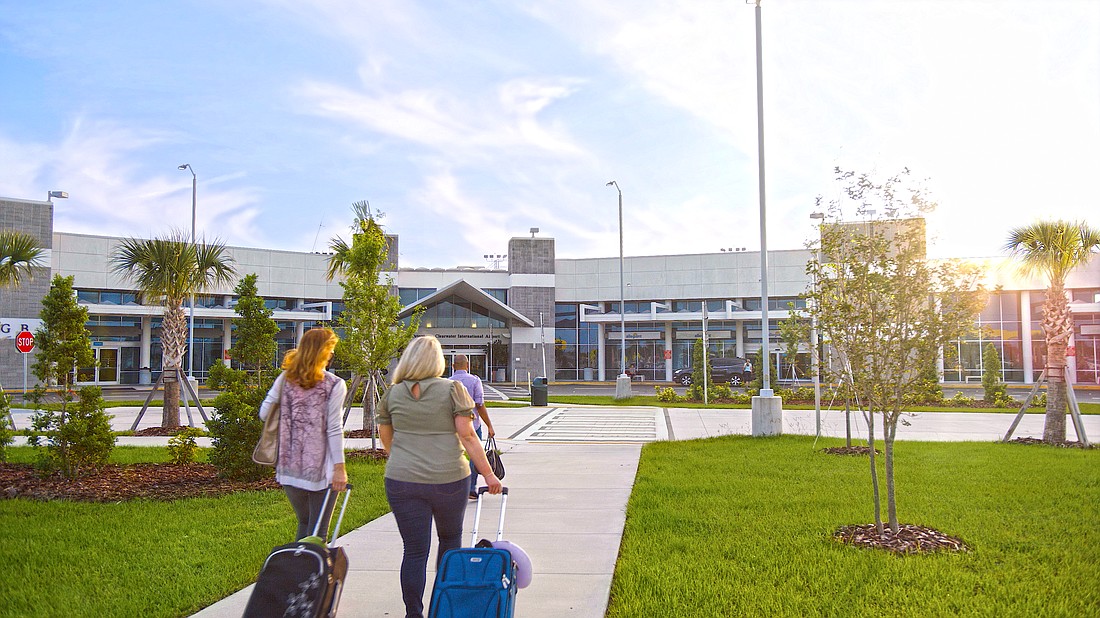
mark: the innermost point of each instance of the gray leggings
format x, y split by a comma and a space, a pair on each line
307, 506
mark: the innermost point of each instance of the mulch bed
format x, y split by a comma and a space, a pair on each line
369, 454
849, 450
160, 431
114, 483
1034, 441
910, 539
358, 433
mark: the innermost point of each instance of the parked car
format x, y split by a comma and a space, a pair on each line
734, 370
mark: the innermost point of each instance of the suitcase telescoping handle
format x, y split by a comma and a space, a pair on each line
481, 491
339, 520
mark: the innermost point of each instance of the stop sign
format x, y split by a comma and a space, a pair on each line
24, 342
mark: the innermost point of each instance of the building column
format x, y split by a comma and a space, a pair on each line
601, 345
739, 335
299, 330
668, 347
1025, 336
146, 341
227, 340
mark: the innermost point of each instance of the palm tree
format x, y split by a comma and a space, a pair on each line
19, 255
1054, 249
170, 270
357, 258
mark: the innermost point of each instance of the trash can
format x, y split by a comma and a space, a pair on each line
589, 374
145, 376
538, 391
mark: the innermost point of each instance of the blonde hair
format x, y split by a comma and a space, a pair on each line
305, 365
422, 359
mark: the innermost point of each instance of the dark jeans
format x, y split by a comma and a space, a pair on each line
415, 506
473, 470
307, 506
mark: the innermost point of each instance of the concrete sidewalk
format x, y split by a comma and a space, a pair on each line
566, 508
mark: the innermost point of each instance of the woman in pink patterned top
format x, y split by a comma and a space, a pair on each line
311, 432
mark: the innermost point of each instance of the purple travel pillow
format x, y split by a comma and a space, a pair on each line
522, 560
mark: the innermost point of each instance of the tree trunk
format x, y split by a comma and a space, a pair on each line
170, 413
173, 339
1058, 326
1054, 429
888, 432
848, 422
874, 471
368, 408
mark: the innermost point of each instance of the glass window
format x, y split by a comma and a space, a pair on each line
498, 293
110, 298
565, 315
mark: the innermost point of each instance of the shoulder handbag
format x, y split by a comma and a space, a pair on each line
492, 453
266, 452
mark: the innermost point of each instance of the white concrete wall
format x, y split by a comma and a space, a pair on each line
673, 277
438, 278
281, 274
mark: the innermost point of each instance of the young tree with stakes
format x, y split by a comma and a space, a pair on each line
1054, 249
170, 270
370, 334
883, 308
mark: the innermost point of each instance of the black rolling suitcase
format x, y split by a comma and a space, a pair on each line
302, 579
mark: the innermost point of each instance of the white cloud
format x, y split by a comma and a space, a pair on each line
458, 124
110, 192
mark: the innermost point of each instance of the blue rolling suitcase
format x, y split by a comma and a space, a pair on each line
476, 581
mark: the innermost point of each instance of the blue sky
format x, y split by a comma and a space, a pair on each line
469, 122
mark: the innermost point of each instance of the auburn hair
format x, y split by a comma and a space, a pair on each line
305, 365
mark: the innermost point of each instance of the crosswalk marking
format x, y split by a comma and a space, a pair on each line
598, 425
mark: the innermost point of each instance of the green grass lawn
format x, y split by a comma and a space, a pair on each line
148, 558
737, 526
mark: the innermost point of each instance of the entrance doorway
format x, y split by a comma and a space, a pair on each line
114, 365
478, 363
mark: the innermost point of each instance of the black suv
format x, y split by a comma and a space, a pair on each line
734, 370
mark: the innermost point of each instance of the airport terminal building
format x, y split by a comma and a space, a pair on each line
538, 316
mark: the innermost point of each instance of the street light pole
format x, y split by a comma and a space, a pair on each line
619, 394
816, 356
767, 409
191, 318
765, 327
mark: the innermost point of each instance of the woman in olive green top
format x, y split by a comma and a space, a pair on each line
424, 422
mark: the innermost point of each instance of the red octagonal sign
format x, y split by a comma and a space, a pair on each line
24, 342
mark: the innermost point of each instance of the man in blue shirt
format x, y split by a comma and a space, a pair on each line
472, 383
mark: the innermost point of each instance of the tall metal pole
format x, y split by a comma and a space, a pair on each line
622, 286
765, 327
191, 318
622, 290
814, 344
